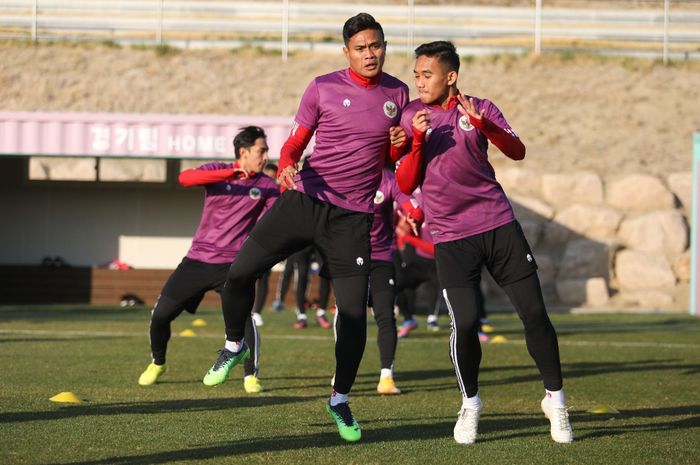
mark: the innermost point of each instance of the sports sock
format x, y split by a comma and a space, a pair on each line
301, 316
337, 398
556, 397
233, 346
320, 312
471, 402
386, 373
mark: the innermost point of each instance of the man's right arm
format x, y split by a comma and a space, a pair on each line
290, 154
199, 177
303, 128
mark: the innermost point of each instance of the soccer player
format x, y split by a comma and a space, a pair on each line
472, 224
383, 276
327, 203
417, 268
235, 196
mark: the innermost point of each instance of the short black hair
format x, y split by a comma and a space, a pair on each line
443, 50
360, 22
271, 166
246, 138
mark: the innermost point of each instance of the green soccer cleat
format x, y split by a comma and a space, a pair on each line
151, 375
224, 364
347, 426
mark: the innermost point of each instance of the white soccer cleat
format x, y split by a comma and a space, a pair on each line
257, 319
467, 425
559, 419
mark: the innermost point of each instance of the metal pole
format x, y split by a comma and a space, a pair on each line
34, 19
538, 27
159, 32
285, 29
411, 26
667, 7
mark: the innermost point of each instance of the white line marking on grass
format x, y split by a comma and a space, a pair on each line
67, 333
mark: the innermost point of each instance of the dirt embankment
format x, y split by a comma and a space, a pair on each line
610, 115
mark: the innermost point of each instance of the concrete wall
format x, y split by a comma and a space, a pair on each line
83, 222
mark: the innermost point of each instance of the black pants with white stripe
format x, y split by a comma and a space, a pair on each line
506, 254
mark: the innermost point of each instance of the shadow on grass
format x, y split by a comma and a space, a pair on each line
140, 408
492, 428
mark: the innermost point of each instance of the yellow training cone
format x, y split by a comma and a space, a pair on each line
498, 339
603, 408
487, 328
65, 397
187, 333
199, 323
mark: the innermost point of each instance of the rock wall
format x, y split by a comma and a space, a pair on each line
606, 242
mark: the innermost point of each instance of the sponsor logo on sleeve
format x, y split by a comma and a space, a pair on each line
254, 193
346, 102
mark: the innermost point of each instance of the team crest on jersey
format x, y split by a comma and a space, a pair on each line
465, 124
390, 109
378, 197
346, 102
254, 193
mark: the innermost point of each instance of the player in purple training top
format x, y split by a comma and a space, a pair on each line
327, 203
383, 275
473, 225
236, 195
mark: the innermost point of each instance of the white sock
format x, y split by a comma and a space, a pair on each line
320, 312
338, 398
233, 346
556, 397
386, 373
471, 402
432, 318
301, 316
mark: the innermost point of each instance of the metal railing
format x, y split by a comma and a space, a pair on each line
660, 28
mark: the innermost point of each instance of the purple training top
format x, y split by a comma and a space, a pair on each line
461, 195
382, 234
231, 209
352, 128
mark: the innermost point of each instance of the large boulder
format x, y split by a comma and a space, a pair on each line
661, 232
530, 206
584, 258
593, 221
639, 192
566, 189
520, 180
651, 298
642, 271
591, 292
681, 266
681, 184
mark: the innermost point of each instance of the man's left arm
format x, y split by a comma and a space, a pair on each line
504, 138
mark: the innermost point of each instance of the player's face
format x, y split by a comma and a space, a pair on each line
255, 157
365, 53
434, 83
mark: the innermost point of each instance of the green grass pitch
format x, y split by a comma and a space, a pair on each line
646, 366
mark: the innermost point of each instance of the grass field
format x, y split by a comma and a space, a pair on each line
646, 366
